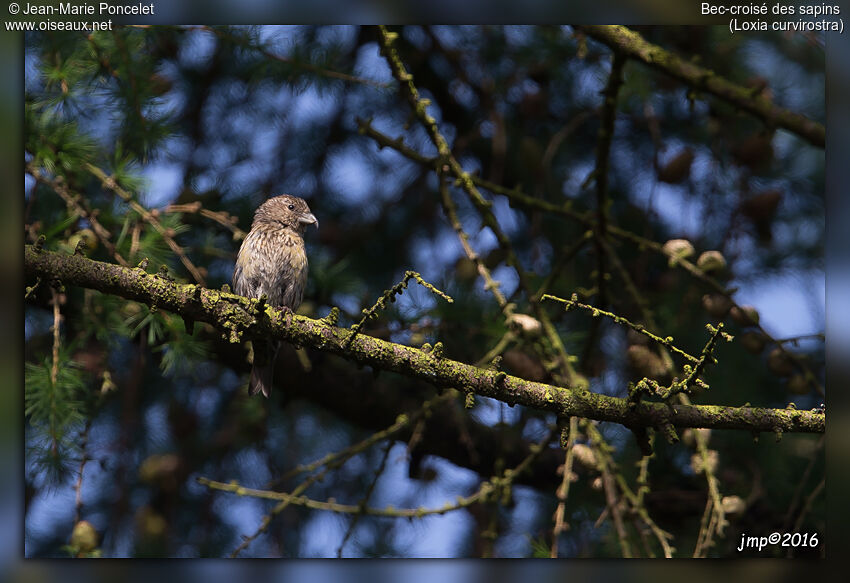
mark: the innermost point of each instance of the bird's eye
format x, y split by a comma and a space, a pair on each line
292, 207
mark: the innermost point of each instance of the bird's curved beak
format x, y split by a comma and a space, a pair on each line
309, 219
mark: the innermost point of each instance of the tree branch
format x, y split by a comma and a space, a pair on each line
630, 43
235, 315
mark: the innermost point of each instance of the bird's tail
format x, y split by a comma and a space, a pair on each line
261, 380
262, 372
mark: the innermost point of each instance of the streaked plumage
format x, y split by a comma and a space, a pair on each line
272, 261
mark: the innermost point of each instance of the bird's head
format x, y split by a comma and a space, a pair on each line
285, 212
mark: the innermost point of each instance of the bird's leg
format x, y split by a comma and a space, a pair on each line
261, 304
287, 314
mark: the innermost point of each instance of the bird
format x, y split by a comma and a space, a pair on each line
272, 261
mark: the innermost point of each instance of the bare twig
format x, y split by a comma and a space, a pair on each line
798, 492
389, 296
78, 486
336, 459
224, 219
563, 490
57, 317
451, 213
364, 502
488, 488
603, 152
808, 504
110, 184
78, 205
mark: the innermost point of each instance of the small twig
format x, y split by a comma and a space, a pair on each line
451, 213
383, 140
563, 490
605, 466
600, 173
613, 505
714, 505
559, 136
808, 504
223, 218
703, 539
31, 289
389, 296
110, 184
694, 372
596, 312
798, 492
488, 488
365, 501
74, 201
563, 259
78, 486
54, 369
337, 459
636, 509
497, 350
795, 339
221, 33
330, 462
603, 151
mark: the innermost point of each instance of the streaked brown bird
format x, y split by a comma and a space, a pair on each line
272, 261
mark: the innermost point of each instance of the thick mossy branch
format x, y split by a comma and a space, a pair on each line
630, 43
235, 316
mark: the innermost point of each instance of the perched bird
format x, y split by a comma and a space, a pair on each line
272, 261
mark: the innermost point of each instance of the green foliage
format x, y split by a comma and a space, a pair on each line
182, 353
55, 410
105, 320
539, 548
136, 242
55, 144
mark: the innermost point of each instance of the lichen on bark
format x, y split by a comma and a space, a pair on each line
230, 313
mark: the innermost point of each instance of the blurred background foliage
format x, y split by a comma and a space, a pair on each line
159, 143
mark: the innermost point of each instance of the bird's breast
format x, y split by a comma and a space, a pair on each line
291, 262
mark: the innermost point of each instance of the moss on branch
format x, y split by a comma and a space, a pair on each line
238, 318
623, 40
